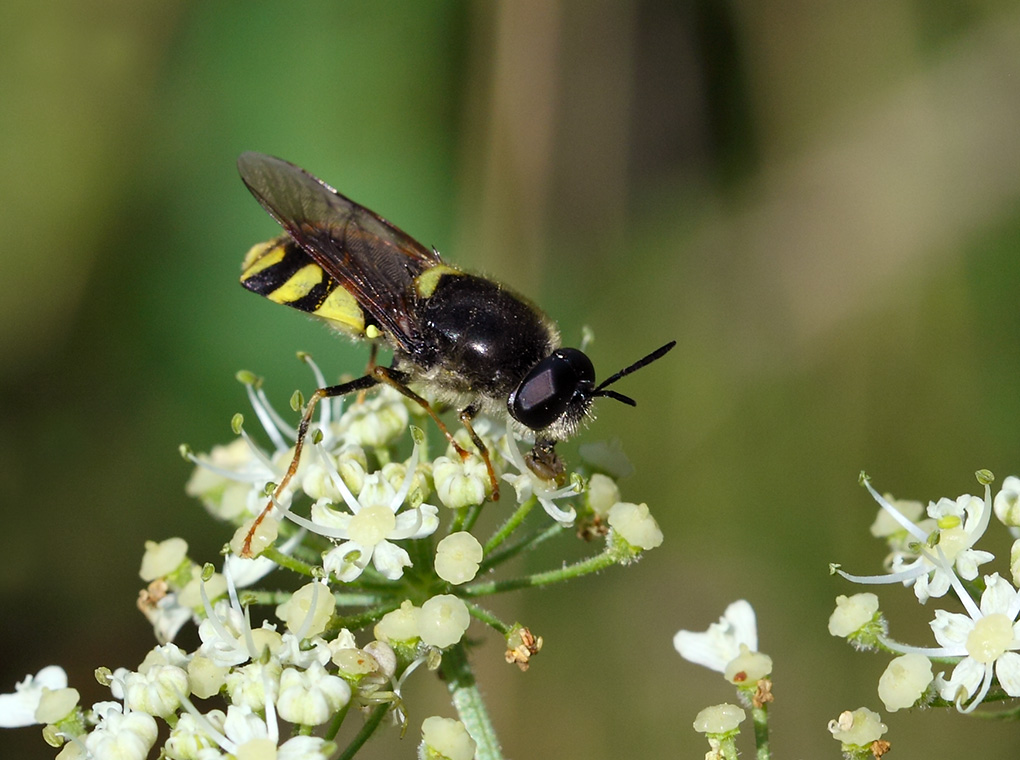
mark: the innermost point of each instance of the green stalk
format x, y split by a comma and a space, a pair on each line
468, 702
509, 526
366, 731
584, 567
760, 716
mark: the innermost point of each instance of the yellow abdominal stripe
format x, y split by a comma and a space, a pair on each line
297, 285
338, 307
262, 256
342, 310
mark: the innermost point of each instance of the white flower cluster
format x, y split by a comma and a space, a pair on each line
936, 554
360, 522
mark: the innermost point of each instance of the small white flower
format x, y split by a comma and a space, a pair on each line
244, 735
1007, 502
852, 613
377, 421
400, 625
461, 482
858, 728
247, 685
445, 738
719, 719
305, 748
302, 652
161, 559
959, 523
158, 691
188, 738
635, 525
205, 676
311, 697
904, 681
602, 493
124, 736
167, 616
190, 596
457, 557
353, 664
308, 610
986, 638
18, 708
442, 621
720, 644
56, 704
374, 521
748, 667
223, 479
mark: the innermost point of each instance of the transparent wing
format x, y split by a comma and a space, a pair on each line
369, 257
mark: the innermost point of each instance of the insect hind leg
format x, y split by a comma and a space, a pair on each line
362, 383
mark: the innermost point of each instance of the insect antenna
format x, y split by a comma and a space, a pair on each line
644, 361
618, 396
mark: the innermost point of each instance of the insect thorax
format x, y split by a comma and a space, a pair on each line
483, 337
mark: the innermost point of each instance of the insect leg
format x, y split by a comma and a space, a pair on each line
397, 379
466, 416
332, 391
373, 353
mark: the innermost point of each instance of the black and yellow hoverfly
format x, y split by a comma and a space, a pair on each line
464, 339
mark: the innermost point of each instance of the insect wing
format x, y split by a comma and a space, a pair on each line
372, 259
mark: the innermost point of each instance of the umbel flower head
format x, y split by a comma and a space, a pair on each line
931, 559
370, 569
982, 643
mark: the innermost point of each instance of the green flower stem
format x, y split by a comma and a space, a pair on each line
366, 731
249, 597
459, 518
338, 719
480, 613
364, 619
760, 716
472, 516
529, 542
468, 702
728, 748
423, 556
509, 526
584, 567
285, 560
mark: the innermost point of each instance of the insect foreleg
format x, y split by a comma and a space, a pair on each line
397, 379
466, 416
332, 391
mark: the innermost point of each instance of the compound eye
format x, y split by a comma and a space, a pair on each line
564, 377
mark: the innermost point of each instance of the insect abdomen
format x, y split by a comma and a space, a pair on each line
282, 272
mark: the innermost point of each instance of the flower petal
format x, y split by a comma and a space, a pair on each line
998, 597
951, 629
1007, 670
390, 560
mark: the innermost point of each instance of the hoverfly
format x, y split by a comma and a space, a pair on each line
467, 340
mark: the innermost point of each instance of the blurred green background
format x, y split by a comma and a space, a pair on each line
819, 201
